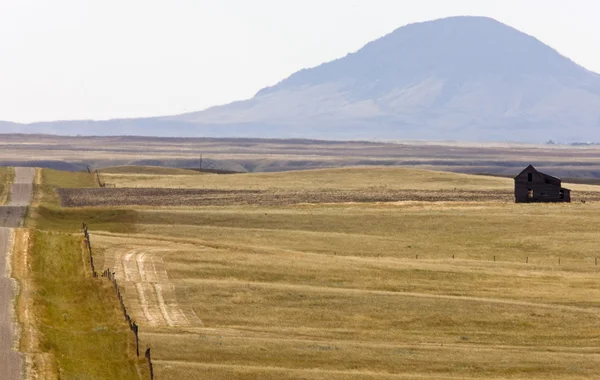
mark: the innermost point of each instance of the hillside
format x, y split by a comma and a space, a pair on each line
467, 78
459, 78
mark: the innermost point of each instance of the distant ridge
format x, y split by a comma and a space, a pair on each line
459, 78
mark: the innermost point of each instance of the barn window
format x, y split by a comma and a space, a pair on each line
561, 194
530, 193
530, 177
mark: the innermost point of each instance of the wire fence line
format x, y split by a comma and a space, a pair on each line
110, 275
100, 183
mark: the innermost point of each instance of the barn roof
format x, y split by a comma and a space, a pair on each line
547, 177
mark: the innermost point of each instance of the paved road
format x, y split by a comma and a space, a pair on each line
22, 188
11, 361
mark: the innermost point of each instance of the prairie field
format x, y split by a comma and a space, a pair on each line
428, 288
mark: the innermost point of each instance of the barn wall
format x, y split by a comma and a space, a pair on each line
542, 191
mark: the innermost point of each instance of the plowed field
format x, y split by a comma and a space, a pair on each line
215, 197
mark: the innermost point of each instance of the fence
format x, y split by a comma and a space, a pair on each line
100, 183
527, 260
86, 235
110, 275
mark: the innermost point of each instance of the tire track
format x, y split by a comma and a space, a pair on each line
320, 289
152, 316
143, 272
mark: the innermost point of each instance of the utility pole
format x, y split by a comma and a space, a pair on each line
200, 162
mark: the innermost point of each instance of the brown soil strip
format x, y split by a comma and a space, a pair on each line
213, 197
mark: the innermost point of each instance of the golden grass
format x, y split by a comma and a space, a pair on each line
40, 364
6, 177
358, 291
46, 213
270, 312
350, 178
322, 292
73, 327
469, 231
80, 323
52, 179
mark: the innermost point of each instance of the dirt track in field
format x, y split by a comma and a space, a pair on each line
11, 216
149, 290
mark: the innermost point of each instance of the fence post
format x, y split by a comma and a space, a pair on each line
98, 178
134, 327
112, 278
86, 234
150, 363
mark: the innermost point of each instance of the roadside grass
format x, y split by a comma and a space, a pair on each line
80, 323
54, 218
47, 214
54, 179
6, 178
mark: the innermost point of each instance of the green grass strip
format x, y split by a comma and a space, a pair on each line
81, 322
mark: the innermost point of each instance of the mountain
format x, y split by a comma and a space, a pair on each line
459, 78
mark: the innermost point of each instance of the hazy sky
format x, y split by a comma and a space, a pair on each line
100, 59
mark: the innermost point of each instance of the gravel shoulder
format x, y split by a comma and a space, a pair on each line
11, 361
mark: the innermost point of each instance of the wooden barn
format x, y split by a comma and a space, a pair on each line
534, 186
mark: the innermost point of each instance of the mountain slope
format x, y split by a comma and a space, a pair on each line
459, 78
463, 77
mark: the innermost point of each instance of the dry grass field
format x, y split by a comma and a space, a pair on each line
363, 178
169, 187
6, 174
453, 288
